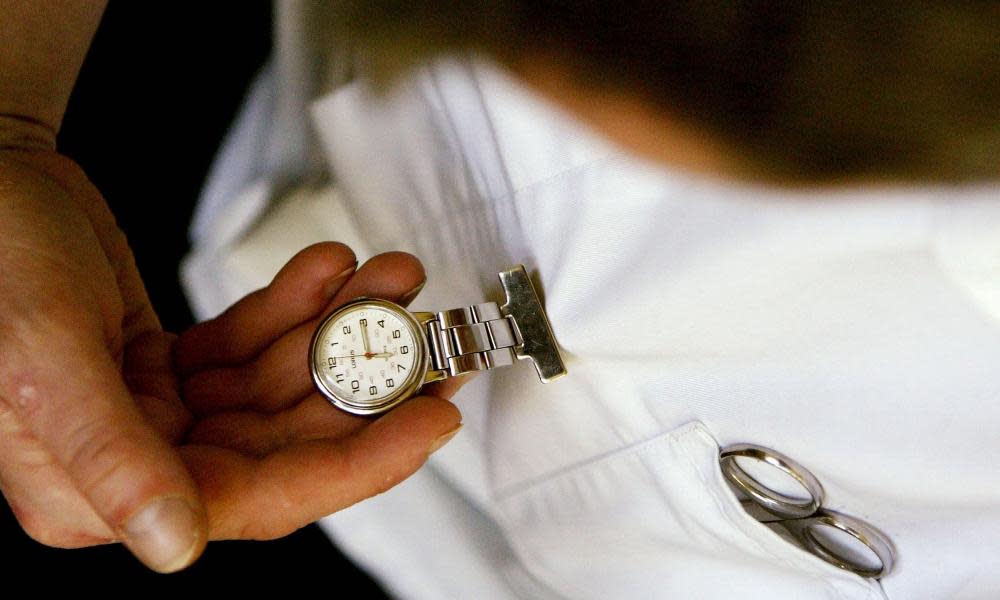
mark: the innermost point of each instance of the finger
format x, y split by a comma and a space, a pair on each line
41, 495
266, 498
302, 289
76, 404
149, 375
391, 275
280, 377
449, 387
257, 434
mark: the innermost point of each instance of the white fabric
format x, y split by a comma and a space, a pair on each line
857, 331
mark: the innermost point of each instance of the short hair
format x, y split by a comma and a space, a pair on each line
807, 90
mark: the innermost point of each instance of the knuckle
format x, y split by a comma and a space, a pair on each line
97, 454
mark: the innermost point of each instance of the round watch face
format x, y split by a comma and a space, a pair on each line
368, 356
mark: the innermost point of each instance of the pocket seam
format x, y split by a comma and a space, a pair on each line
521, 487
500, 497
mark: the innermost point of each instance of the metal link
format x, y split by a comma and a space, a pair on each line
467, 363
438, 358
456, 317
470, 338
447, 345
474, 338
504, 357
501, 334
488, 311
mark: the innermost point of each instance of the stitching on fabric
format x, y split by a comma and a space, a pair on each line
564, 472
636, 448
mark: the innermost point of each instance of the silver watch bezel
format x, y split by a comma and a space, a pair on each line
414, 381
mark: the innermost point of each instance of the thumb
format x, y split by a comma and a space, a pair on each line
76, 403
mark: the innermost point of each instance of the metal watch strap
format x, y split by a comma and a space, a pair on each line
474, 338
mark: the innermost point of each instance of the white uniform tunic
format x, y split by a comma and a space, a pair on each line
856, 331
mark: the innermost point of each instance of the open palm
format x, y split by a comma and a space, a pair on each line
269, 454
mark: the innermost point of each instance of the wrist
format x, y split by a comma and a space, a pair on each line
20, 133
23, 164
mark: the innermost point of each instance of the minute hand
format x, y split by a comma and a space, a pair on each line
364, 337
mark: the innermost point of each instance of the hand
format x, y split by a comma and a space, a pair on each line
84, 362
268, 452
92, 428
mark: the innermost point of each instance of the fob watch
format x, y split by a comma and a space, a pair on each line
369, 355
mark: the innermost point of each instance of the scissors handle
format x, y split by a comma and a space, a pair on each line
876, 541
774, 502
803, 518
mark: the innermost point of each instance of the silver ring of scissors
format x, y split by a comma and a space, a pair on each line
875, 540
801, 517
775, 503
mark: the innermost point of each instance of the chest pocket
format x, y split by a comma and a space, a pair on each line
656, 520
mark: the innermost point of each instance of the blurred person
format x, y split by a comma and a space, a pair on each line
775, 249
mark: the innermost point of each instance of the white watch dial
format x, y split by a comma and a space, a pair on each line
366, 354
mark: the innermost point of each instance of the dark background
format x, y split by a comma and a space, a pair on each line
160, 86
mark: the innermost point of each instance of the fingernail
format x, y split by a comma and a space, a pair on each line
163, 534
410, 295
334, 285
443, 439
